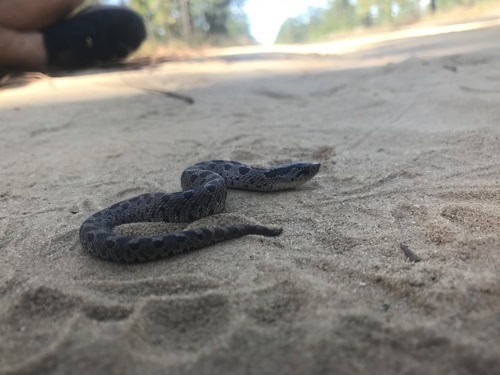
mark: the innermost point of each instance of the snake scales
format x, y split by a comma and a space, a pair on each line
204, 193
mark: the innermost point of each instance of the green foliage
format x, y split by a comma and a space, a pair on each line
208, 21
238, 30
317, 22
158, 16
220, 22
294, 30
343, 15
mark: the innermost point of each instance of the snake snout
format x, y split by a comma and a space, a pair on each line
306, 171
315, 169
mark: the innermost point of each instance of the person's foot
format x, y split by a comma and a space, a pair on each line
94, 36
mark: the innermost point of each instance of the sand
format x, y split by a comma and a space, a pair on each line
407, 131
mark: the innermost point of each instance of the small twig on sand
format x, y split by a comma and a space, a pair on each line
410, 254
170, 94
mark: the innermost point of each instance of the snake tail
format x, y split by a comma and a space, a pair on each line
126, 249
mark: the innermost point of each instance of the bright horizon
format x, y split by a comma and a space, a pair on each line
267, 16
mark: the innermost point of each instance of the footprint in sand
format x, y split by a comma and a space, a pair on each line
180, 326
277, 304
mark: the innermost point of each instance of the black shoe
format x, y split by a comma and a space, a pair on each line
94, 36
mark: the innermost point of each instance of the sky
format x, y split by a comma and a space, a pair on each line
267, 16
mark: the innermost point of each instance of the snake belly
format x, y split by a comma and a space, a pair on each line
204, 190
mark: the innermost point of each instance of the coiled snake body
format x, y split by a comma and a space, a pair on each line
204, 193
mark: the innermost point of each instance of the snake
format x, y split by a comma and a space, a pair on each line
204, 190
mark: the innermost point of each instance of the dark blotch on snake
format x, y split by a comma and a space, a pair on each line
145, 241
219, 233
122, 241
180, 238
190, 233
278, 171
243, 170
188, 195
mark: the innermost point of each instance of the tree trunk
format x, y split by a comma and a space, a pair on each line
433, 6
186, 20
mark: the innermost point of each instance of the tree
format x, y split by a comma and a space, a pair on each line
433, 6
293, 30
186, 20
194, 21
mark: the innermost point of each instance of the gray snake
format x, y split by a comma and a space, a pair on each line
203, 193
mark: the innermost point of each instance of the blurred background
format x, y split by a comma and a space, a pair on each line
246, 22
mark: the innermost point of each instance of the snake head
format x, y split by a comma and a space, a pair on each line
288, 176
